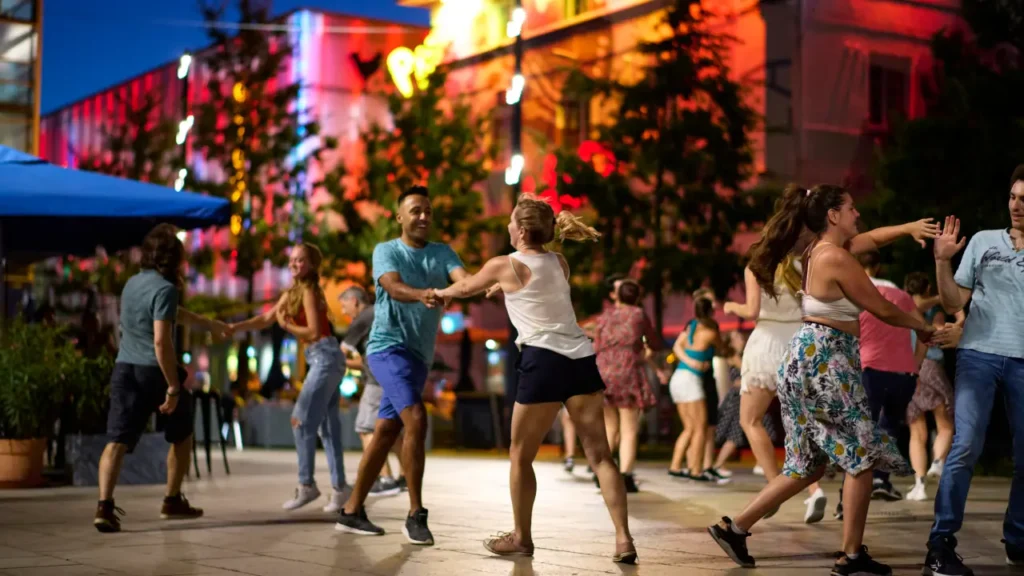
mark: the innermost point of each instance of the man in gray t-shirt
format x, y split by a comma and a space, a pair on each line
355, 303
990, 355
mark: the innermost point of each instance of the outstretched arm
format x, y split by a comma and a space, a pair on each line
196, 321
311, 330
473, 284
872, 240
954, 297
261, 321
750, 309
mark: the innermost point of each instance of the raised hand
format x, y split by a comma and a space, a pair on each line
948, 242
924, 229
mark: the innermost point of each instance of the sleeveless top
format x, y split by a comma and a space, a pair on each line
542, 310
841, 310
933, 353
325, 323
698, 355
785, 309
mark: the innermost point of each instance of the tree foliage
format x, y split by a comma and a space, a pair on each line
958, 156
682, 154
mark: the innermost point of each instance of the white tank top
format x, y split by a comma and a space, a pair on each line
841, 310
542, 310
785, 309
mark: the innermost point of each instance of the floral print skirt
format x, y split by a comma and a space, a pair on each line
825, 409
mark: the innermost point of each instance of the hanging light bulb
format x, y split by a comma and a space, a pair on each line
515, 90
183, 65
515, 169
515, 24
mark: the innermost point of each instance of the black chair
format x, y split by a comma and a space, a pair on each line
205, 399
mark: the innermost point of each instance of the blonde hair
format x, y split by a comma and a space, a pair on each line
788, 275
293, 296
536, 218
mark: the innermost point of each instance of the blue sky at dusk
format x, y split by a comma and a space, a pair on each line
91, 44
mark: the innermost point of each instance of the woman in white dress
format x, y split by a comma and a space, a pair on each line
777, 322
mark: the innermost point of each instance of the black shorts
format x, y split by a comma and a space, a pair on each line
711, 397
136, 392
546, 376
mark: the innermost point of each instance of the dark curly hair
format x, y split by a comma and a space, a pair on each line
164, 253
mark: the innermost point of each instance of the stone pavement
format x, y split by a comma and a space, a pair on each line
48, 532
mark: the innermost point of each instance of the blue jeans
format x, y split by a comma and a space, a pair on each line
977, 375
317, 409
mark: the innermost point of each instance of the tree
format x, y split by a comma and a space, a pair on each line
680, 146
958, 156
259, 146
435, 142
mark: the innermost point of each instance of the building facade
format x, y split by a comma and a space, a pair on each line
20, 52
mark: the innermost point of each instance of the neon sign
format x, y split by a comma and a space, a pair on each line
411, 68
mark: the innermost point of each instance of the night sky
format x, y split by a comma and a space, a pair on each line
91, 44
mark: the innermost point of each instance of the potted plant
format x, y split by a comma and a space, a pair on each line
35, 362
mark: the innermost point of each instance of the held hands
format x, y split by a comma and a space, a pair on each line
948, 336
432, 298
926, 334
923, 229
948, 243
222, 330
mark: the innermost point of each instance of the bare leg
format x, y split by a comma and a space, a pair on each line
918, 446
856, 498
779, 490
728, 449
753, 406
944, 434
568, 435
611, 426
709, 447
396, 449
530, 423
177, 465
587, 414
414, 452
629, 421
110, 468
385, 471
370, 464
683, 441
699, 417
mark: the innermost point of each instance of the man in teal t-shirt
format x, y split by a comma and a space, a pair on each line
407, 271
991, 353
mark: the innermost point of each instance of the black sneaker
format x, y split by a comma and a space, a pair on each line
683, 474
884, 490
630, 481
108, 517
415, 529
735, 545
862, 564
569, 465
1014, 555
385, 487
403, 484
357, 523
839, 508
715, 476
942, 560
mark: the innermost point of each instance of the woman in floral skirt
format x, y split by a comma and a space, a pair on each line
619, 342
824, 407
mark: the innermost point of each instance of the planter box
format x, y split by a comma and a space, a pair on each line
146, 465
21, 463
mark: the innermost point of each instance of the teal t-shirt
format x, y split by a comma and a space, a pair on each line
994, 270
146, 297
409, 324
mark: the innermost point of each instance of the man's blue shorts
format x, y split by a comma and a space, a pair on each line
401, 375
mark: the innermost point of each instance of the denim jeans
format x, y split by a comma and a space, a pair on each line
977, 375
317, 409
889, 394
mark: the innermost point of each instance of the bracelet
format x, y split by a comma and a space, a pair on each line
171, 394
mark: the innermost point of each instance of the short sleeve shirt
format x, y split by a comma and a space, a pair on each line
409, 324
994, 270
356, 339
146, 297
883, 347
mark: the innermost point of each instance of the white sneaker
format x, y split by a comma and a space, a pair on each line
815, 507
917, 493
758, 471
336, 501
303, 495
936, 469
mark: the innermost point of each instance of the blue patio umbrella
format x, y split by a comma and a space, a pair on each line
49, 210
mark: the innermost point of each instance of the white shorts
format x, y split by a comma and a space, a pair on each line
763, 355
685, 386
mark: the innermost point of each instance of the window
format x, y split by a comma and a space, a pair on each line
888, 89
573, 122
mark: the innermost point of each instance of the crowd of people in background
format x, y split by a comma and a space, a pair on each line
849, 362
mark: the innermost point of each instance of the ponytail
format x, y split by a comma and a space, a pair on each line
570, 227
778, 238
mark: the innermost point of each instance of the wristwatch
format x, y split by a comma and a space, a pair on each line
173, 393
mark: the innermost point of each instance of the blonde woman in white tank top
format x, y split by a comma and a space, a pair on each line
824, 407
556, 366
777, 322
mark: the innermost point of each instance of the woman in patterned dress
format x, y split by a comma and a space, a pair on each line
824, 407
619, 342
934, 393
